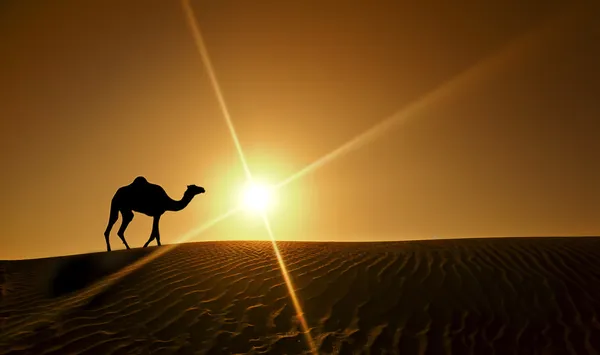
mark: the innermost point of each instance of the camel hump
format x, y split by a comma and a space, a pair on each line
140, 180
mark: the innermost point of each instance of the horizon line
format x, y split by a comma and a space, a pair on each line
433, 238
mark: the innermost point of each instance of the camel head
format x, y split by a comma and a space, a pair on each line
194, 190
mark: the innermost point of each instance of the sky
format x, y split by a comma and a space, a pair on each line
486, 118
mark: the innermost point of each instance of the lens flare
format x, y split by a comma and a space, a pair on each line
205, 57
83, 296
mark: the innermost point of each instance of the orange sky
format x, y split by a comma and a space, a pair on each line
96, 93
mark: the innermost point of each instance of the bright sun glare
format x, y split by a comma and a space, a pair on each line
257, 197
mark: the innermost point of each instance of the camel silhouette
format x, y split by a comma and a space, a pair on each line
149, 199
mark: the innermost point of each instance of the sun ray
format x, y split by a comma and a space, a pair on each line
194, 232
201, 46
469, 76
84, 295
290, 287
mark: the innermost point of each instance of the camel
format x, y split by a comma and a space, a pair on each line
149, 199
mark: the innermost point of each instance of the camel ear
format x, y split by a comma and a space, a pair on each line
189, 186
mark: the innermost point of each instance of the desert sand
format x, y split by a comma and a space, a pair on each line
463, 296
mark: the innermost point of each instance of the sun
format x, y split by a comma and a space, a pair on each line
257, 197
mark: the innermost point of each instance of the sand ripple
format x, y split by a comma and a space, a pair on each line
477, 296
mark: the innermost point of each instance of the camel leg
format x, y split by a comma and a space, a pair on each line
114, 215
155, 232
111, 222
127, 217
155, 226
106, 236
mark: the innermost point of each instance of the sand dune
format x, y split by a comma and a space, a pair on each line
469, 296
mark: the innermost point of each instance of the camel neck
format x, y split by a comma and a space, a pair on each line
175, 205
